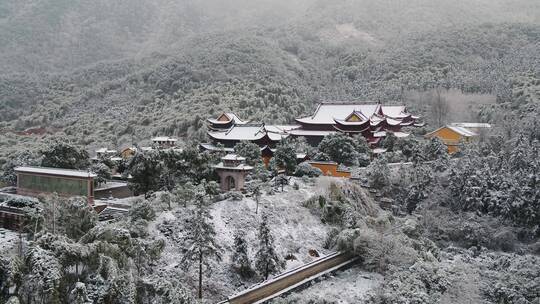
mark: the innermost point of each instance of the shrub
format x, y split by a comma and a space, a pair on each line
305, 169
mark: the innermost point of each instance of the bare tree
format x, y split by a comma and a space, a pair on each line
439, 107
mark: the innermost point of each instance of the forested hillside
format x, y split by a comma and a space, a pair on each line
121, 71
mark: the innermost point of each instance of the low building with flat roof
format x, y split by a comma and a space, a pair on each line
34, 181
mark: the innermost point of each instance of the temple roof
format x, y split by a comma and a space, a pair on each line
302, 132
326, 113
229, 117
164, 138
254, 132
211, 147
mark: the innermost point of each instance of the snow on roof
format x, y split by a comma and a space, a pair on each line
325, 162
233, 157
378, 150
327, 112
242, 167
164, 138
241, 132
379, 134
471, 125
254, 132
55, 171
211, 147
230, 116
301, 132
236, 119
401, 134
462, 131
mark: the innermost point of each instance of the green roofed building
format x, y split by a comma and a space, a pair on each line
33, 181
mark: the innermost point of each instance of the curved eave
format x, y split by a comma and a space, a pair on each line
399, 117
218, 122
274, 136
350, 123
350, 131
375, 123
309, 121
408, 123
393, 122
224, 136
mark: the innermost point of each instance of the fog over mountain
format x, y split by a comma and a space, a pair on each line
59, 35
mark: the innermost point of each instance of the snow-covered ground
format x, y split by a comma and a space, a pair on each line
296, 231
347, 286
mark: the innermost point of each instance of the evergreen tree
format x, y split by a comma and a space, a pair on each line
363, 150
340, 148
102, 171
62, 154
162, 290
76, 218
201, 241
379, 173
266, 260
24, 158
184, 194
389, 142
145, 170
240, 258
250, 151
285, 156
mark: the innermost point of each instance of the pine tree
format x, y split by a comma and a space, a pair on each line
250, 151
102, 171
240, 258
266, 259
285, 157
145, 170
62, 154
201, 241
379, 173
340, 148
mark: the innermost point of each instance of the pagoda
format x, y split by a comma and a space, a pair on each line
232, 172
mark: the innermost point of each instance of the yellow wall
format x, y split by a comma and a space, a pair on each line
450, 138
331, 170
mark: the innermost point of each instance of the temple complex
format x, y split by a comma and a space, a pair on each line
371, 120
